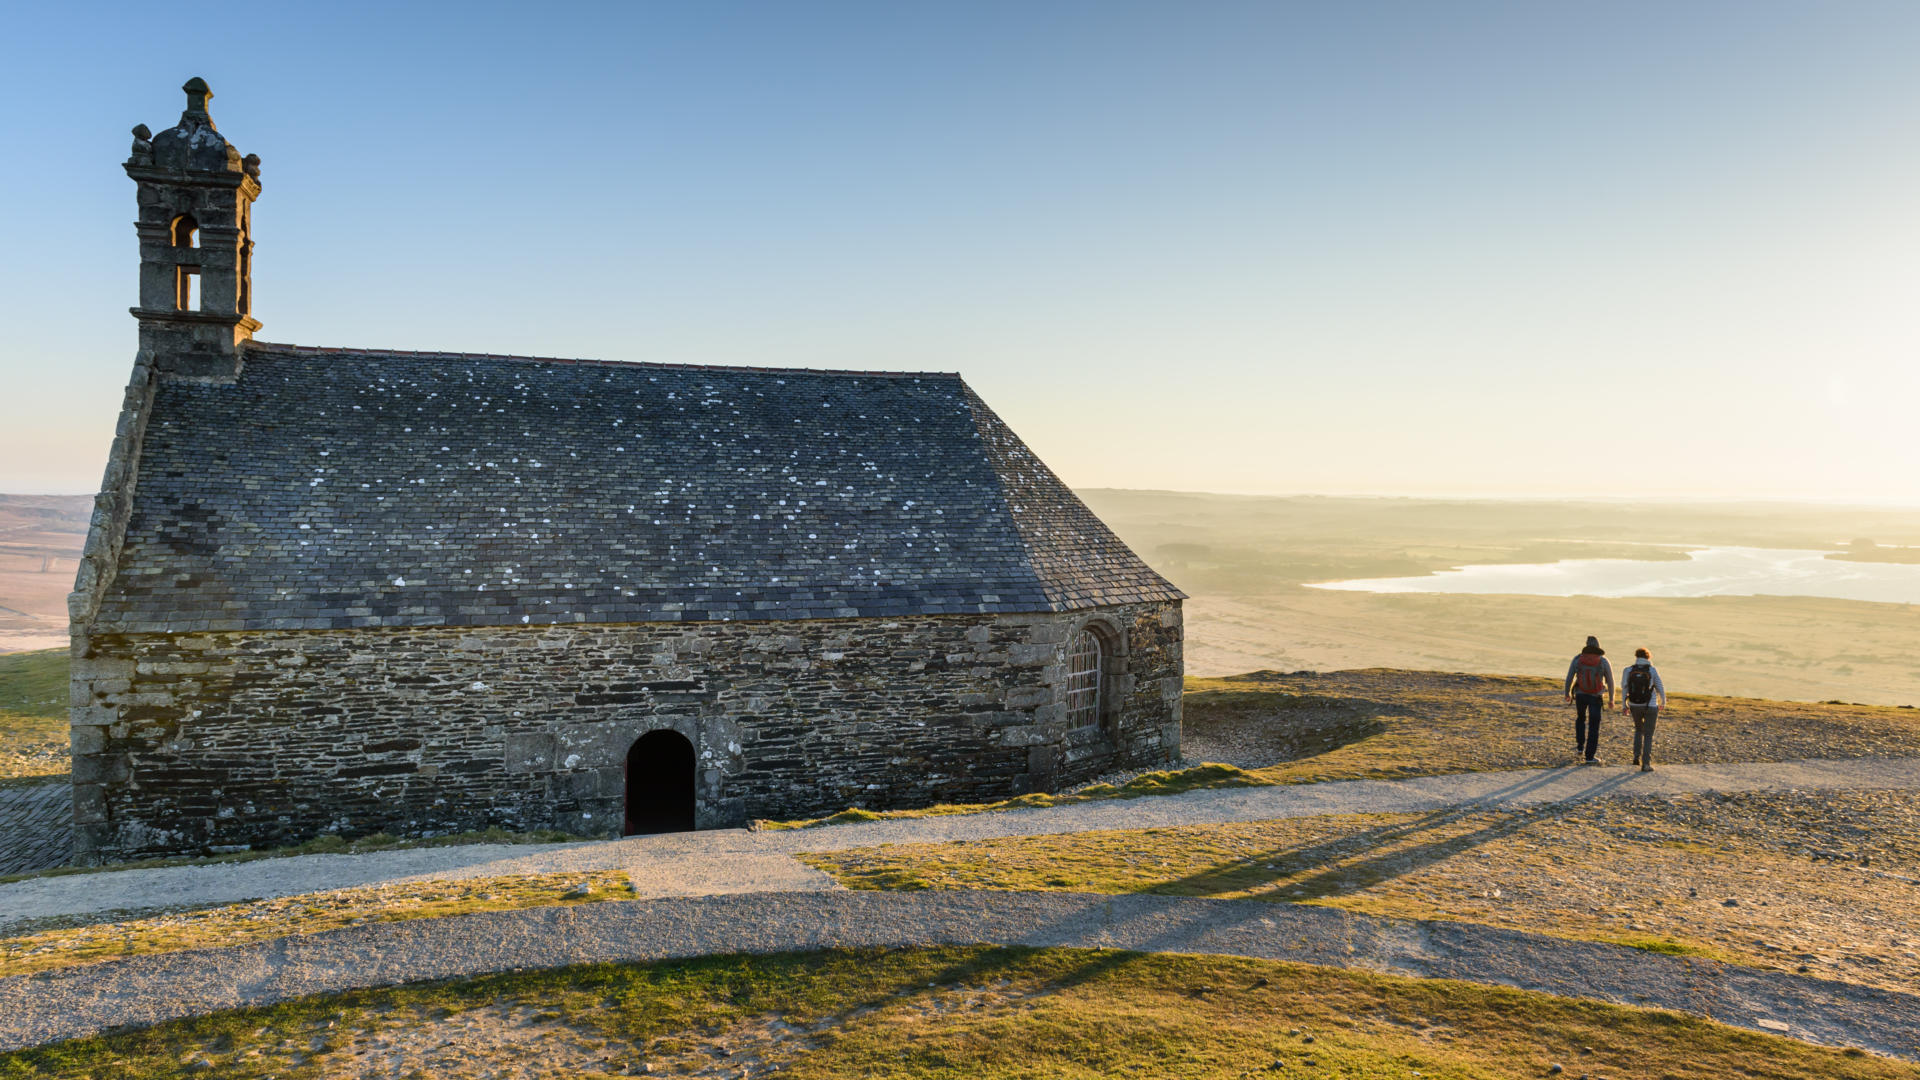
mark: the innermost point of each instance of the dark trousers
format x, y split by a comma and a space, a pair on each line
1586, 724
1644, 719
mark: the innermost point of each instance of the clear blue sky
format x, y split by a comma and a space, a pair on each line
1490, 248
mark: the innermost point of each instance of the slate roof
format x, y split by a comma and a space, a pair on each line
327, 489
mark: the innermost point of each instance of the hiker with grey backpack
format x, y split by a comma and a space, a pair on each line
1641, 686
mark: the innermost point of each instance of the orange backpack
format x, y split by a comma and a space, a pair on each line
1587, 678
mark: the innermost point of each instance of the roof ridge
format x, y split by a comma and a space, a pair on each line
978, 427
1068, 519
439, 354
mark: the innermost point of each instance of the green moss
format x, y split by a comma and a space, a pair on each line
1170, 782
1668, 946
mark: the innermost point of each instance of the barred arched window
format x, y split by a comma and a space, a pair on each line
1086, 668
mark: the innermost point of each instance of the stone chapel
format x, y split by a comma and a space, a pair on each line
350, 591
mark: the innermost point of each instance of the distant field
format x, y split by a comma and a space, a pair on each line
1244, 561
40, 541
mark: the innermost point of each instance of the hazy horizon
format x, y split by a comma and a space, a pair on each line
1810, 501
1248, 563
1480, 250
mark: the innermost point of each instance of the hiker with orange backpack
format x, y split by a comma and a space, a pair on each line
1587, 677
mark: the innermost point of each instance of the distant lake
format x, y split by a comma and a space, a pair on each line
1720, 571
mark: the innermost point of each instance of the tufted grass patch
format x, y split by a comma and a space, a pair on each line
61, 942
1291, 859
947, 1012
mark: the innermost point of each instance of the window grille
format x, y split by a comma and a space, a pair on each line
1084, 656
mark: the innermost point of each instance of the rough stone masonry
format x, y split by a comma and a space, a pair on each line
352, 591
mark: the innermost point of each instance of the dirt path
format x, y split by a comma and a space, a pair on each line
729, 861
149, 989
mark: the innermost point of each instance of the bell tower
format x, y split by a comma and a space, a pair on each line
196, 243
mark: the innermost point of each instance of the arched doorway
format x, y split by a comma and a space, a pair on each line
659, 784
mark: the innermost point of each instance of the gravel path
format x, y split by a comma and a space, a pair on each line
725, 861
36, 827
143, 990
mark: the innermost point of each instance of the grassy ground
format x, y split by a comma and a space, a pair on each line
1306, 727
980, 1012
1170, 782
34, 683
1833, 895
33, 715
66, 942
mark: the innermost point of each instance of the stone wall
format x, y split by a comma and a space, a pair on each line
112, 508
216, 741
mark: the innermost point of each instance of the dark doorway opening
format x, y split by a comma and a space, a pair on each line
659, 784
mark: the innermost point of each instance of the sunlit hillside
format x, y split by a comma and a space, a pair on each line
1245, 560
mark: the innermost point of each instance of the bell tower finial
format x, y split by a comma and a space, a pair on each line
198, 94
196, 198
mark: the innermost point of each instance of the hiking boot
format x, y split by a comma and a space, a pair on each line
1593, 761
1647, 767
1636, 761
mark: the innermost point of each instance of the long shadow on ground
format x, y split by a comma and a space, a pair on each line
145, 990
